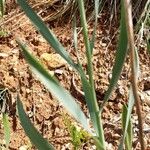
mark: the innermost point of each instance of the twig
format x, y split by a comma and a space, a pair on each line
75, 86
129, 25
14, 16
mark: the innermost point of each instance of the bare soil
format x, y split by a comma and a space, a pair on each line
42, 108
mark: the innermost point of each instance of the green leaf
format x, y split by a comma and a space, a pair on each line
94, 111
136, 63
120, 56
45, 32
96, 10
126, 115
75, 39
92, 106
126, 122
75, 35
6, 129
53, 86
98, 144
2, 7
35, 137
88, 85
86, 42
148, 45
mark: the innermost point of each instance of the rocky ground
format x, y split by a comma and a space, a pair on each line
42, 108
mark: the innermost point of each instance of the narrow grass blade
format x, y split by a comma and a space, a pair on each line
6, 129
88, 85
148, 45
93, 108
75, 34
53, 86
120, 57
99, 146
84, 25
2, 7
136, 63
127, 132
125, 122
45, 32
35, 137
86, 42
96, 10
75, 39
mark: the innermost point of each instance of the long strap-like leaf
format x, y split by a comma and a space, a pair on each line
53, 86
45, 32
6, 129
120, 56
97, 4
2, 7
35, 137
127, 118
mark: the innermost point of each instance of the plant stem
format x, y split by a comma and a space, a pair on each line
86, 41
94, 115
88, 48
129, 24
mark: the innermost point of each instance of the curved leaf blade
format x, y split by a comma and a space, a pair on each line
126, 120
2, 7
53, 86
45, 32
35, 137
6, 129
120, 57
94, 111
97, 7
128, 137
148, 45
126, 116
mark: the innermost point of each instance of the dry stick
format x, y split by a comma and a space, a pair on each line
129, 25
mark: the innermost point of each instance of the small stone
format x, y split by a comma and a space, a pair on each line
58, 71
53, 60
24, 147
3, 55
